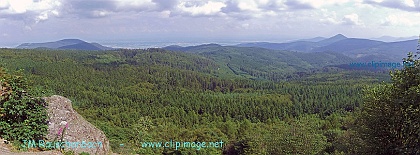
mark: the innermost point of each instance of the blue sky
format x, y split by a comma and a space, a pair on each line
206, 21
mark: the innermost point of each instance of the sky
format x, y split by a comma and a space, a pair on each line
204, 20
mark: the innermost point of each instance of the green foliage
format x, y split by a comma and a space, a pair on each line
69, 153
152, 95
260, 63
391, 115
302, 136
22, 117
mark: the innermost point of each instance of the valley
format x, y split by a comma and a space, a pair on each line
205, 93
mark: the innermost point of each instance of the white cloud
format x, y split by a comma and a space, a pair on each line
209, 8
165, 14
248, 9
321, 3
28, 28
42, 16
402, 19
245, 25
55, 13
18, 7
256, 5
24, 6
42, 5
4, 4
405, 5
31, 11
224, 17
409, 3
352, 19
328, 17
329, 20
248, 5
137, 4
100, 13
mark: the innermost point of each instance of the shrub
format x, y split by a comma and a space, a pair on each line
22, 117
391, 114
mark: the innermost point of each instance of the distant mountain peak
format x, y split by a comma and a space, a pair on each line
72, 44
72, 40
332, 39
339, 36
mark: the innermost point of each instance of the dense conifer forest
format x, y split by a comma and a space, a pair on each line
143, 95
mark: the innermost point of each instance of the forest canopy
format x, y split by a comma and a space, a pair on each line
147, 95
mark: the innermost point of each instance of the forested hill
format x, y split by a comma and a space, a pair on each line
261, 63
136, 96
356, 48
65, 44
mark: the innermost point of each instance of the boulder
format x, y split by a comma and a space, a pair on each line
77, 134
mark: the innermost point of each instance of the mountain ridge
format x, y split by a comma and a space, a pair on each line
332, 39
393, 39
68, 44
357, 48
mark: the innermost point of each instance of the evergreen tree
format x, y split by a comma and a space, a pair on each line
391, 115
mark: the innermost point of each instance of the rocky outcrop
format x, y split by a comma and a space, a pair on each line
77, 134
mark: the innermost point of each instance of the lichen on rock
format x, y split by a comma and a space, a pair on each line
66, 123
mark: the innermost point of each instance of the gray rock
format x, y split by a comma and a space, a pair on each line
80, 135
